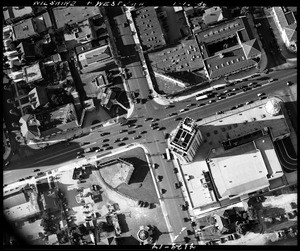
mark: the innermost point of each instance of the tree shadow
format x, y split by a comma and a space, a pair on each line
272, 211
156, 234
127, 240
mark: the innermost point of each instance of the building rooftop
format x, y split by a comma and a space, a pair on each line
24, 29
71, 15
284, 19
38, 96
185, 132
13, 12
183, 57
32, 73
148, 27
238, 171
213, 15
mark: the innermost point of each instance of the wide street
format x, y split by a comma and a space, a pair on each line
153, 140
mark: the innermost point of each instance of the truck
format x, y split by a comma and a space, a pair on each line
202, 97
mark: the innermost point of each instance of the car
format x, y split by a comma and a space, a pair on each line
260, 94
131, 132
6, 163
122, 144
211, 101
239, 105
131, 125
22, 179
245, 89
234, 89
147, 119
140, 203
109, 148
229, 94
117, 140
137, 126
222, 97
175, 170
226, 91
233, 108
199, 119
155, 127
37, 170
271, 80
178, 118
288, 83
160, 128
172, 114
123, 139
190, 105
28, 177
257, 25
105, 145
105, 133
167, 135
95, 148
219, 112
201, 105
178, 185
122, 131
153, 124
170, 106
84, 143
250, 84
146, 204
137, 137
153, 120
143, 132
183, 110
105, 140
99, 150
248, 102
261, 98
96, 187
79, 156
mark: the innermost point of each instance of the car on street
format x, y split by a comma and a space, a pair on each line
105, 133
99, 150
6, 163
117, 140
131, 132
105, 140
175, 170
211, 101
137, 137
84, 143
183, 110
131, 125
160, 128
109, 148
199, 119
190, 105
248, 102
122, 131
222, 97
288, 83
260, 94
153, 124
219, 112
122, 144
123, 139
172, 114
178, 185
105, 145
201, 105
271, 80
263, 97
178, 118
21, 179
79, 156
251, 83
170, 106
143, 132
229, 94
154, 120
37, 170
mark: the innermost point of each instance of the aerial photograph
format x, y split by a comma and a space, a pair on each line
163, 126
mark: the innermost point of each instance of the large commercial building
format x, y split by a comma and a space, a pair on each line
228, 48
186, 140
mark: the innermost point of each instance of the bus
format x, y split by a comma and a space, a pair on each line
168, 152
202, 97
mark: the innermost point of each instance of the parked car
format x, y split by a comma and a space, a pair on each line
175, 170
143, 132
122, 144
131, 125
177, 185
199, 119
178, 118
79, 156
201, 105
122, 131
99, 150
109, 148
131, 132
219, 112
146, 119
211, 101
172, 114
6, 163
248, 102
36, 170
167, 135
288, 83
153, 120
190, 105
260, 94
137, 137
105, 140
105, 145
183, 110
96, 187
123, 139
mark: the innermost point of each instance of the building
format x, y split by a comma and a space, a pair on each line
149, 28
26, 51
31, 27
120, 171
32, 73
20, 203
95, 59
228, 48
44, 125
214, 15
185, 141
86, 31
11, 13
106, 97
72, 15
287, 26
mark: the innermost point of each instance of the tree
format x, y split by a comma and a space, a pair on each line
49, 223
241, 228
252, 213
43, 50
68, 28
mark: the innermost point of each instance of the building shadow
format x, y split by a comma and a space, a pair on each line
127, 240
123, 224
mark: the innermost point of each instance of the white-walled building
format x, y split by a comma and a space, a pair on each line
186, 140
